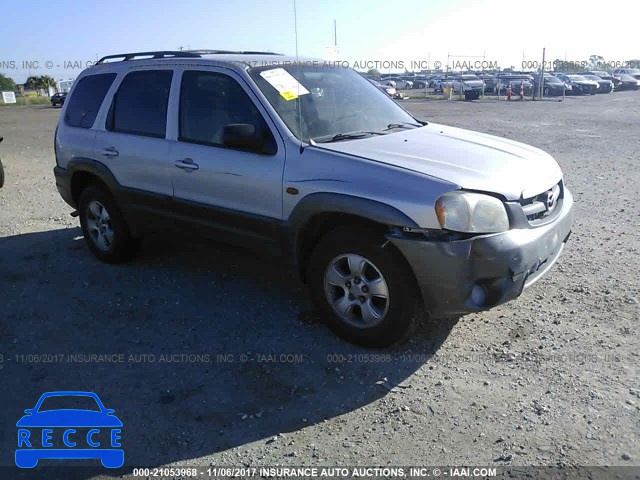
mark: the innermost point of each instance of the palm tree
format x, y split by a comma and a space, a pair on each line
49, 82
32, 83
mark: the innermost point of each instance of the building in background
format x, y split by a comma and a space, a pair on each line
65, 85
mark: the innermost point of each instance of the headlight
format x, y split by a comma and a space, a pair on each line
471, 212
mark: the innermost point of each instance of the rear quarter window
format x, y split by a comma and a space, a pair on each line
84, 103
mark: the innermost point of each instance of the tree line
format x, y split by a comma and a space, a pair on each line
37, 83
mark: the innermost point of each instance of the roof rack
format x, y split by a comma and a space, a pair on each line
232, 52
159, 54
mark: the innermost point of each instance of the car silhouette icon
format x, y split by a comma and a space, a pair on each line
90, 432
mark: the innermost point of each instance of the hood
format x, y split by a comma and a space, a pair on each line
472, 160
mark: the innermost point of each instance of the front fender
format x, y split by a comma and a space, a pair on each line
325, 202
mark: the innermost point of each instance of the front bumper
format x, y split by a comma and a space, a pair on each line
502, 265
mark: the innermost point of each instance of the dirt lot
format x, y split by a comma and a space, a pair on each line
549, 379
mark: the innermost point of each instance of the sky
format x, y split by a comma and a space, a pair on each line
64, 35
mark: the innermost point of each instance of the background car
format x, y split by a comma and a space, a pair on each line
503, 80
435, 80
398, 83
388, 89
552, 86
627, 82
469, 85
58, 99
420, 81
605, 76
579, 84
634, 72
605, 86
488, 80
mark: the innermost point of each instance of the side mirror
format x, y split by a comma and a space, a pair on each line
29, 411
245, 136
109, 411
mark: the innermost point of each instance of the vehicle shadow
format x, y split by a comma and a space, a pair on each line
198, 347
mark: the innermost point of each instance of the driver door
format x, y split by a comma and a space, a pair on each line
232, 193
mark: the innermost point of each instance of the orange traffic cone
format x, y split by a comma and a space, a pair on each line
522, 90
509, 92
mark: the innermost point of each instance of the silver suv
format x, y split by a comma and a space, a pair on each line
382, 215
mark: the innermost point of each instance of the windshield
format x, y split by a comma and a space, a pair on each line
67, 402
550, 79
576, 77
332, 101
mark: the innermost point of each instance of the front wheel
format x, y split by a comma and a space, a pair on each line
105, 230
364, 288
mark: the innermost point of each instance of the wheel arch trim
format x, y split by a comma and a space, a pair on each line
319, 203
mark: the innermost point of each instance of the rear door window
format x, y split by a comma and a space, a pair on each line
139, 106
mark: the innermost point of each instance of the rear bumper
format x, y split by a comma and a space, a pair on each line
500, 265
63, 184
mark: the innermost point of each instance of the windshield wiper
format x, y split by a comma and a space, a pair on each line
349, 136
391, 126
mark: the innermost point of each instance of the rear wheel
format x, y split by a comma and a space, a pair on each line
105, 230
366, 292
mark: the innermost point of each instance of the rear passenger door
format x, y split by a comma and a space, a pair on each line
132, 144
234, 193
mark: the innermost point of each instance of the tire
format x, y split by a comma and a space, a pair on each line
547, 92
105, 231
392, 315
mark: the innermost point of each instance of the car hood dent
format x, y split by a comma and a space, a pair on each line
473, 160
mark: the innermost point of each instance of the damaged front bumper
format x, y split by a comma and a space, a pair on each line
478, 273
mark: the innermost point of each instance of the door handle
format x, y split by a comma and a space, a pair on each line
110, 152
186, 164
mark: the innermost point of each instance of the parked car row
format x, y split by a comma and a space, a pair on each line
473, 84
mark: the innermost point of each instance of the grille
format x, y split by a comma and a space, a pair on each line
538, 208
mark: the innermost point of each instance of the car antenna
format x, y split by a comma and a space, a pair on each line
295, 27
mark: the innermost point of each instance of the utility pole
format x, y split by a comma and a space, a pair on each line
335, 33
542, 75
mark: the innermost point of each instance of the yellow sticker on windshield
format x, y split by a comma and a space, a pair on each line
289, 95
285, 83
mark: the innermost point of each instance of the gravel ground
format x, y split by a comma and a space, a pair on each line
549, 379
